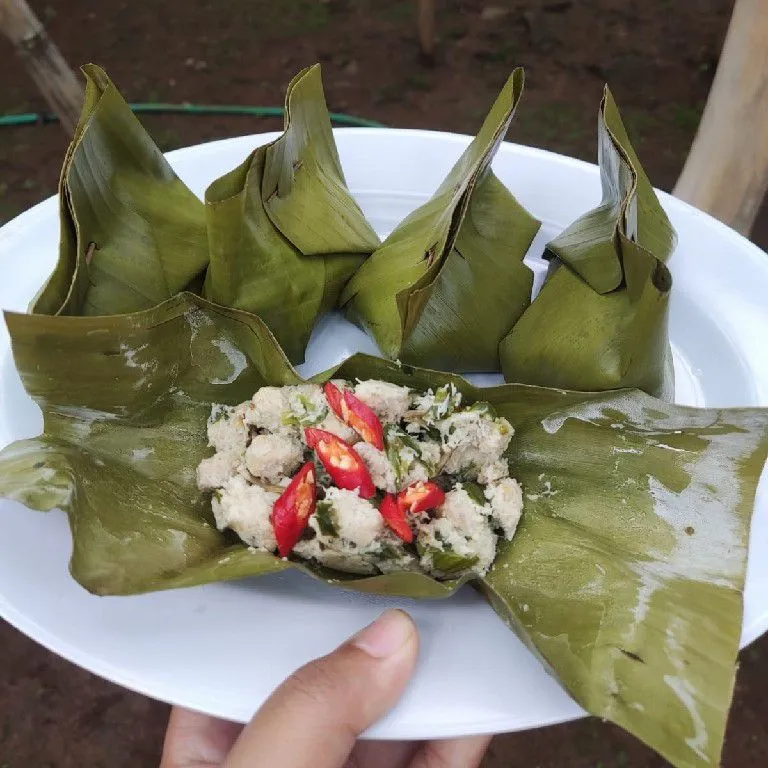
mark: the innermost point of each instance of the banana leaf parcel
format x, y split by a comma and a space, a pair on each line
600, 321
449, 282
625, 577
132, 234
280, 235
285, 235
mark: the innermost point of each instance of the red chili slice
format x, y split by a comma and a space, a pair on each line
354, 412
420, 496
291, 512
395, 518
334, 397
341, 461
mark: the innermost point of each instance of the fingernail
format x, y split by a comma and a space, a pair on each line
386, 636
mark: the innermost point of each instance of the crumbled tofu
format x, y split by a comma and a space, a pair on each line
473, 439
357, 520
433, 406
308, 407
260, 445
382, 472
491, 473
227, 430
506, 498
247, 510
265, 411
404, 453
459, 539
347, 532
389, 401
272, 457
216, 470
431, 454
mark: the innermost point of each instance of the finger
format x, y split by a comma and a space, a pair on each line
452, 753
195, 740
382, 754
316, 715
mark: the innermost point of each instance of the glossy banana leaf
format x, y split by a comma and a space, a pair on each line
285, 235
625, 577
600, 321
449, 282
132, 234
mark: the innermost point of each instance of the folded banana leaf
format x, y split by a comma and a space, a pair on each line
449, 282
285, 235
626, 574
600, 321
132, 234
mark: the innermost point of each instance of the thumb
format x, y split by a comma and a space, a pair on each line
316, 715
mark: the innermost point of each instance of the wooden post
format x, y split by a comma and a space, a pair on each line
426, 27
56, 81
726, 173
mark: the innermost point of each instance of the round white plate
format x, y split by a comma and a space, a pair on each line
222, 648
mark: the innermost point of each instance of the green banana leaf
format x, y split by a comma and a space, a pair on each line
132, 234
449, 282
627, 572
285, 235
600, 321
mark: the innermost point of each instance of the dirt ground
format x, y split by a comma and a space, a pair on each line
659, 59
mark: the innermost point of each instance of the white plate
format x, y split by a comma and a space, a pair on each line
222, 648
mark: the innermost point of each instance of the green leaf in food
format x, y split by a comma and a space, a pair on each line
402, 450
449, 282
600, 321
285, 234
626, 574
450, 562
326, 519
474, 491
132, 234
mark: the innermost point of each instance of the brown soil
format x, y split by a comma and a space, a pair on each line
658, 57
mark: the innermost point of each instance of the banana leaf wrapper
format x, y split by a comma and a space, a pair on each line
626, 574
449, 282
132, 234
600, 321
285, 234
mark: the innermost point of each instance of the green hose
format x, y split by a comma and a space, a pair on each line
36, 118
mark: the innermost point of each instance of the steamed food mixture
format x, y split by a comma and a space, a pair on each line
366, 477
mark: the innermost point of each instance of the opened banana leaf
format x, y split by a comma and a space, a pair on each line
285, 235
625, 576
132, 234
600, 321
449, 282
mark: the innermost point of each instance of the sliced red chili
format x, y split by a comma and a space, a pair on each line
395, 518
420, 496
341, 461
334, 397
291, 512
354, 412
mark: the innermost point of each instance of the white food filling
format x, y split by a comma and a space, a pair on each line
461, 535
388, 401
473, 440
506, 499
247, 510
273, 457
259, 445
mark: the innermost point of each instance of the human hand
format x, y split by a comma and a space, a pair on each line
315, 716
